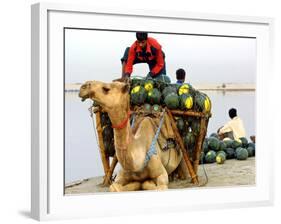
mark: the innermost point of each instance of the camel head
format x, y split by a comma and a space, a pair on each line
108, 95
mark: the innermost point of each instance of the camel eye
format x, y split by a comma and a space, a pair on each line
105, 90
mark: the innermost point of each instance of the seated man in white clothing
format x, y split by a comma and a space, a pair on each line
234, 128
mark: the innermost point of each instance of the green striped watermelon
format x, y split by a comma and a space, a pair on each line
210, 157
241, 153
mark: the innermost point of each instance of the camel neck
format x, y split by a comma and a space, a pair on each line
119, 115
123, 139
123, 123
121, 135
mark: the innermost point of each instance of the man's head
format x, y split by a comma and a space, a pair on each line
180, 74
232, 113
141, 39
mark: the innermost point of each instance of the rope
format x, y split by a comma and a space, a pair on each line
207, 179
152, 149
94, 126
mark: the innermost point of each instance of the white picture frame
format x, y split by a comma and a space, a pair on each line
48, 201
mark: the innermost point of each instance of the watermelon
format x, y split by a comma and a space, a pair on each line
138, 95
195, 126
252, 145
205, 145
236, 144
136, 82
241, 153
214, 135
105, 120
181, 125
184, 89
210, 156
228, 143
160, 85
220, 158
202, 102
186, 101
189, 140
244, 141
251, 151
153, 96
147, 108
230, 153
190, 153
165, 79
221, 152
109, 147
156, 108
189, 120
172, 101
213, 143
222, 146
107, 133
168, 90
108, 140
148, 85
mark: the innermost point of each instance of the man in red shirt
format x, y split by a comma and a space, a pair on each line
145, 50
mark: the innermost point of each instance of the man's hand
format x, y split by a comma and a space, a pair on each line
123, 79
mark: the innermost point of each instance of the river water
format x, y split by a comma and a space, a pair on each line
82, 158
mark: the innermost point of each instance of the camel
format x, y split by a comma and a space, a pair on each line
131, 146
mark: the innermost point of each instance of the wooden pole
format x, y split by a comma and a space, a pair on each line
185, 156
104, 158
107, 179
190, 113
198, 147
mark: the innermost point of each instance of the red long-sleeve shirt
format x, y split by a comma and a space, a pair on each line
153, 52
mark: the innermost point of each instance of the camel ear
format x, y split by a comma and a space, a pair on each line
125, 88
118, 80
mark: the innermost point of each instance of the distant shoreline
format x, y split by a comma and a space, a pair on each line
227, 87
74, 87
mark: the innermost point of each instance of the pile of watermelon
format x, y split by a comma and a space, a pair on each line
215, 150
174, 96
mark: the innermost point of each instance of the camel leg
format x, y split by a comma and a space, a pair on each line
149, 185
133, 186
124, 183
159, 179
159, 183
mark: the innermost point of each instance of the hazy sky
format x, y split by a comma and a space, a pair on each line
95, 55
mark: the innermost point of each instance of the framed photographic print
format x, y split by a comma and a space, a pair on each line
140, 108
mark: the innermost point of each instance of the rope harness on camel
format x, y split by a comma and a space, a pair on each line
152, 149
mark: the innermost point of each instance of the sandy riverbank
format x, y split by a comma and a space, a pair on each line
231, 173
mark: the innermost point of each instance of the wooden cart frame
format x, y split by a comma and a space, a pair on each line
191, 164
